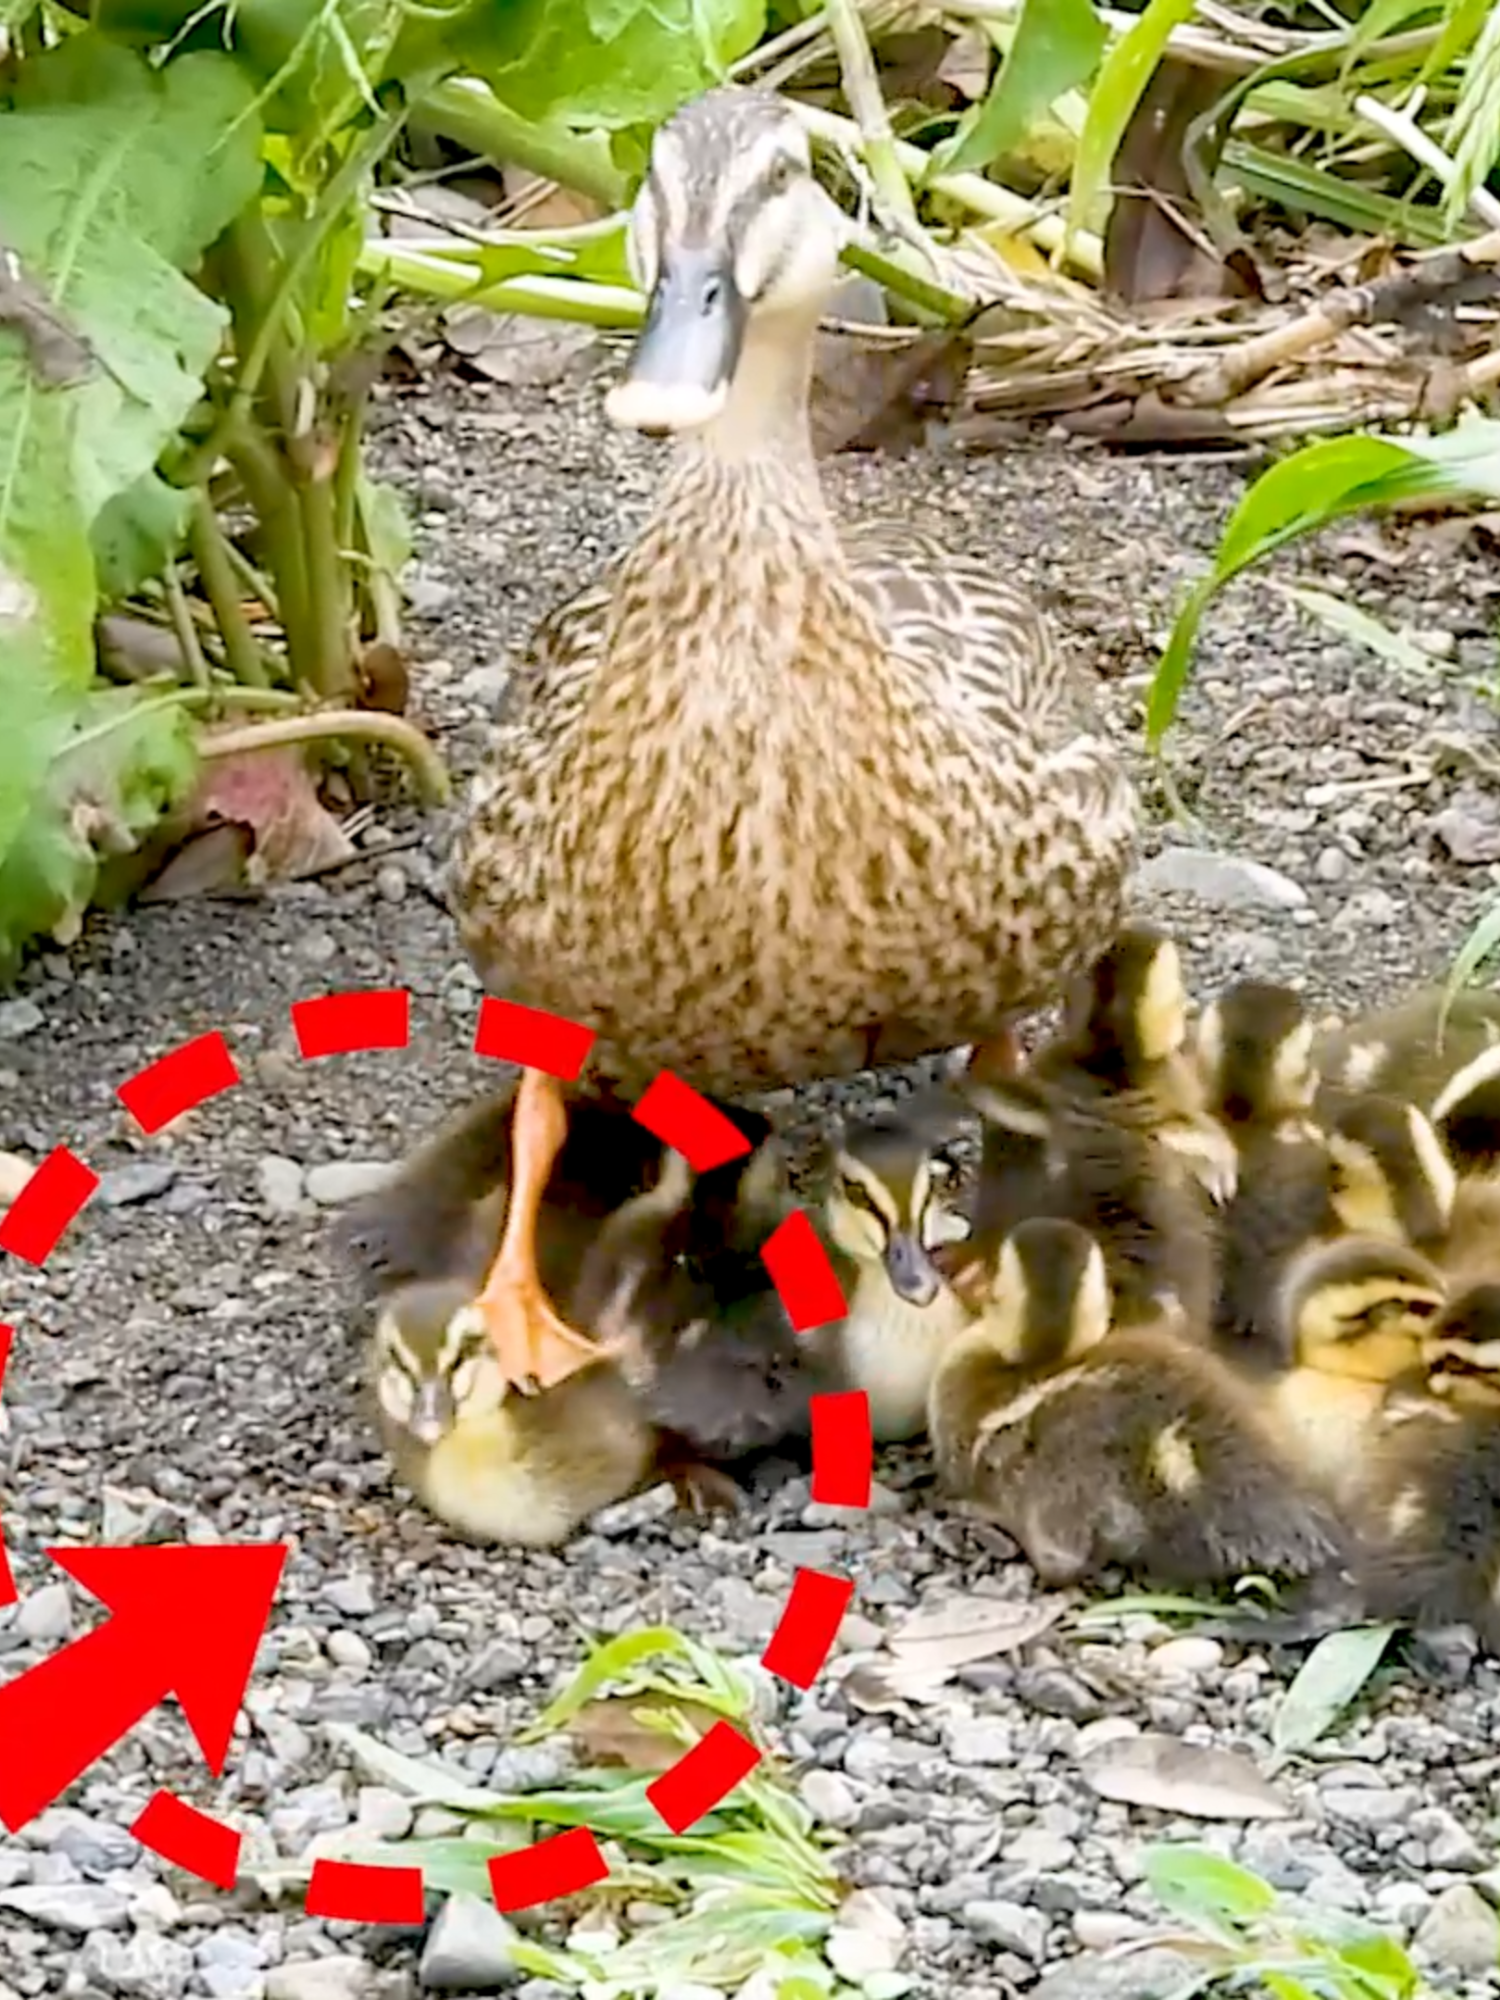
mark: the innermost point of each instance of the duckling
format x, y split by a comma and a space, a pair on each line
1094, 1444
887, 1212
1354, 1314
1414, 1048
493, 1465
1124, 1042
675, 1287
1047, 1154
1427, 1503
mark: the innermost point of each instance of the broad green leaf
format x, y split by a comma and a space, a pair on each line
543, 59
1204, 1889
621, 1659
385, 524
110, 178
16, 13
1327, 1681
47, 585
1383, 1959
125, 760
1123, 75
136, 533
1056, 48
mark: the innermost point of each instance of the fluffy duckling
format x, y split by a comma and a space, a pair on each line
1414, 1048
1094, 1445
1355, 1314
1427, 1504
1048, 1155
1252, 1051
494, 1465
890, 1213
675, 1287
1124, 1043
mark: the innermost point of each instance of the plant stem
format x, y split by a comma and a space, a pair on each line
467, 112
252, 579
980, 196
332, 724
221, 588
1483, 206
862, 90
327, 663
452, 280
262, 473
948, 308
182, 626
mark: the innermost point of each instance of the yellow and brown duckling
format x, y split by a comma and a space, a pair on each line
889, 1217
491, 1464
1096, 1445
1355, 1315
1048, 1155
1427, 1504
1124, 1046
1413, 1049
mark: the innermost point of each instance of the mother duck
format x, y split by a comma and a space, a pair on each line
769, 803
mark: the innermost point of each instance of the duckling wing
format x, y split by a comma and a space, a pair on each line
1429, 1524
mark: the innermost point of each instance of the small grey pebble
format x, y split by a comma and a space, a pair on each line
1010, 1926
19, 1018
78, 1907
341, 1181
469, 1947
976, 1740
46, 1613
1461, 1931
340, 1978
1226, 881
143, 1967
1449, 1844
1369, 1805
391, 882
347, 1649
279, 1182
350, 1596
829, 1798
141, 1181
499, 1665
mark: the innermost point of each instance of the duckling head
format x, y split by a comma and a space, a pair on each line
1048, 1296
1133, 1007
730, 233
890, 1202
1467, 1112
1392, 1177
1254, 1050
435, 1365
1361, 1307
1462, 1355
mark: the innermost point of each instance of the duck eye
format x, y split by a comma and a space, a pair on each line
782, 173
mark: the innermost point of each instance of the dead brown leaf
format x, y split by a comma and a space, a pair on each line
610, 1731
1176, 1777
265, 797
961, 1630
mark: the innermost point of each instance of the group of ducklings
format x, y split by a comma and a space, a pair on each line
1219, 1297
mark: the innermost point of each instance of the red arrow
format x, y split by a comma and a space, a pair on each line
186, 1622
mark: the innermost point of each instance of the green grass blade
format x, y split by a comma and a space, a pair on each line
1056, 48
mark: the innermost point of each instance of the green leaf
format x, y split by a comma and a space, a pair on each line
1328, 1680
136, 533
1124, 74
110, 177
1204, 1889
125, 760
1056, 48
546, 60
1479, 946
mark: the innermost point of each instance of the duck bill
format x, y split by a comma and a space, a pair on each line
431, 1413
912, 1273
684, 360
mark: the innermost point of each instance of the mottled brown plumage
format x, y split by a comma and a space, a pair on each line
768, 800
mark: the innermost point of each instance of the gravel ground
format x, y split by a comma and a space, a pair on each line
188, 1342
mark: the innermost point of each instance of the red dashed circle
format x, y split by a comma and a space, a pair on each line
843, 1455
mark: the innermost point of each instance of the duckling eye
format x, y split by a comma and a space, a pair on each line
783, 171
859, 1196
